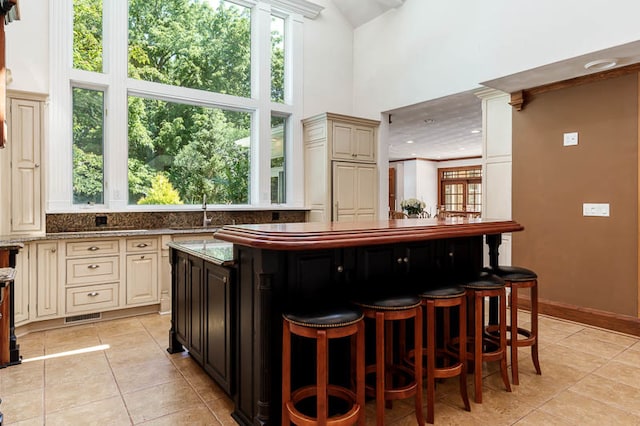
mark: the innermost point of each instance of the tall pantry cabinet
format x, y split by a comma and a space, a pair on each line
341, 176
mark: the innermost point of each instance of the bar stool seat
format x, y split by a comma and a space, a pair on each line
384, 310
485, 346
323, 325
517, 278
445, 298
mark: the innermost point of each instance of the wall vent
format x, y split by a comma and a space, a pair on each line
85, 317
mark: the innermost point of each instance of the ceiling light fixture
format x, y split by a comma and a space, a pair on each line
409, 141
601, 64
429, 121
475, 131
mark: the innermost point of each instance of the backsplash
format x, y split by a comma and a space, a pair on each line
79, 222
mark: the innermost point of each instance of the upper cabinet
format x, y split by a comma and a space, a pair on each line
353, 141
345, 138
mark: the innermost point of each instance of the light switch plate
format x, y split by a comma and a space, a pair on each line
595, 209
570, 139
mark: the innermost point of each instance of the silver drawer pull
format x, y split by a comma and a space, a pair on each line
93, 248
94, 266
93, 294
142, 245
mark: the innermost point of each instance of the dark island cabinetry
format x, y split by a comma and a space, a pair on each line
202, 314
282, 267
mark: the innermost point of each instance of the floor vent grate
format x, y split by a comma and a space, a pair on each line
85, 317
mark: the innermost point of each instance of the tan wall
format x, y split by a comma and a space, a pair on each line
584, 261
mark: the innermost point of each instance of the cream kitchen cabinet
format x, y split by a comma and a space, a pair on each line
21, 286
355, 191
22, 167
92, 271
142, 271
341, 181
352, 141
70, 279
47, 282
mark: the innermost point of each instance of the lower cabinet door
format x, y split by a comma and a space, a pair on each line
142, 278
218, 315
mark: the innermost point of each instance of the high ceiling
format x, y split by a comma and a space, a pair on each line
447, 128
359, 12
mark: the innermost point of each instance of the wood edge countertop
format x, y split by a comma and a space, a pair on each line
320, 235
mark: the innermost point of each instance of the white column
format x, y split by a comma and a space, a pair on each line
496, 162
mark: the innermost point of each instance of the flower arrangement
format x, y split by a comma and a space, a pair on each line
412, 205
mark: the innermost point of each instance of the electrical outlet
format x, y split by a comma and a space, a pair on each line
595, 209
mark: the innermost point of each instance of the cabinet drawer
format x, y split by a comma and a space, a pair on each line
92, 298
93, 270
86, 248
142, 244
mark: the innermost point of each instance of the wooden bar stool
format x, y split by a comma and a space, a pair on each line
487, 347
384, 311
323, 326
517, 278
445, 298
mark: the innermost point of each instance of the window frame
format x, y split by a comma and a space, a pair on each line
465, 181
117, 87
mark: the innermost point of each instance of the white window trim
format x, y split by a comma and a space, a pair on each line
118, 87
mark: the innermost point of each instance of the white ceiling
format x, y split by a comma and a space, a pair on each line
442, 128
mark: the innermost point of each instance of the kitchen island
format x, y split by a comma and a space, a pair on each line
280, 266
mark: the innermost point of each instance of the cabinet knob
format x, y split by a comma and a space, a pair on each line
399, 260
142, 245
405, 260
53, 250
36, 165
142, 257
93, 266
93, 294
93, 248
224, 280
340, 268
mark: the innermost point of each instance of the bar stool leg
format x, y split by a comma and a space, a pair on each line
418, 367
431, 359
462, 353
503, 340
321, 376
360, 372
380, 364
534, 328
513, 310
286, 372
478, 324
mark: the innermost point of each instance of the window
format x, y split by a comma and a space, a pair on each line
167, 102
88, 134
278, 181
460, 189
277, 59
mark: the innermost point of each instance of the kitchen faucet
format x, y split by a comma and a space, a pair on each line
206, 221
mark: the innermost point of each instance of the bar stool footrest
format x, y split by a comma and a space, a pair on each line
339, 392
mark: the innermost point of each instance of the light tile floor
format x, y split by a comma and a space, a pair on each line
589, 377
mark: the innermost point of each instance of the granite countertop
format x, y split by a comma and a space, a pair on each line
18, 240
215, 251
